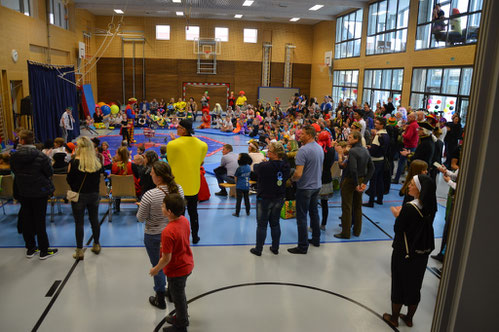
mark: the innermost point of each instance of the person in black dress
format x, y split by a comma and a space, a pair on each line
454, 134
413, 242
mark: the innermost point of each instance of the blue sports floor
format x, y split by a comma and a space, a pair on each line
217, 225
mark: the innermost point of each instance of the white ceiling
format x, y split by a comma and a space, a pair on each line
261, 10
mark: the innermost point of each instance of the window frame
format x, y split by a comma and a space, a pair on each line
351, 86
22, 8
61, 11
337, 44
447, 24
426, 94
221, 39
169, 32
373, 88
244, 36
385, 32
192, 26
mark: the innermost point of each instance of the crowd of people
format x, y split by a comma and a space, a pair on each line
290, 157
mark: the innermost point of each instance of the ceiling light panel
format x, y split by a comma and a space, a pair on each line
118, 11
179, 13
238, 16
176, 1
316, 7
294, 19
247, 3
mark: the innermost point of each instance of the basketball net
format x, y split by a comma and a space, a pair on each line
207, 54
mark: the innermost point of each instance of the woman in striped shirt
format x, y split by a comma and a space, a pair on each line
151, 213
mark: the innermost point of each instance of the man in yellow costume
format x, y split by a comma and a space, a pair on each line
241, 99
185, 156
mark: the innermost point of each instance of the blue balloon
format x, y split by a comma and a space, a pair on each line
106, 109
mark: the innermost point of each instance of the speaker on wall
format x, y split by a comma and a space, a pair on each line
26, 106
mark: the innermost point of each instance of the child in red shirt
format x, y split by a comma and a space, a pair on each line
176, 259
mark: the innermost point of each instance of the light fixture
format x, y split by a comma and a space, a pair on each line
316, 7
118, 11
248, 3
294, 19
176, 1
179, 13
238, 16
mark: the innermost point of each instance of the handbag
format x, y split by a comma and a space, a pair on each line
75, 196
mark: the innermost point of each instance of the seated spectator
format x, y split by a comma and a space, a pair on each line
162, 151
5, 164
47, 147
60, 164
228, 166
58, 146
123, 166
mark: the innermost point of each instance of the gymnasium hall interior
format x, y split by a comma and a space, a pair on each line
104, 55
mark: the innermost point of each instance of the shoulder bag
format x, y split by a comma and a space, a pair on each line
75, 196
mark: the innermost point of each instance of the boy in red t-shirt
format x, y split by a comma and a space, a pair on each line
176, 260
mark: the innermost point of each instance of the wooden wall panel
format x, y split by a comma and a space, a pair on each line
165, 78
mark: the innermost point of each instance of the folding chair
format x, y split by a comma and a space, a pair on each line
7, 190
104, 193
123, 186
61, 189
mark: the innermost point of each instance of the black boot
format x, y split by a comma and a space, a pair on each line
158, 300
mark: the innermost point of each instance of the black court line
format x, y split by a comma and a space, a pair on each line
375, 224
59, 290
158, 327
53, 288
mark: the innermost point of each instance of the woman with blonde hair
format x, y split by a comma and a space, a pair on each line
83, 177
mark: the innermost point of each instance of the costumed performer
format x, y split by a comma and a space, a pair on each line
185, 156
241, 99
130, 114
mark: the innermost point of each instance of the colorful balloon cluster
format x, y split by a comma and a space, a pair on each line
108, 109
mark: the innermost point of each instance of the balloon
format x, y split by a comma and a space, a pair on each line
436, 107
354, 90
451, 102
115, 109
451, 108
101, 104
105, 109
429, 101
428, 107
439, 102
446, 110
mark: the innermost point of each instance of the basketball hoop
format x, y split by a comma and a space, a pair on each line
207, 54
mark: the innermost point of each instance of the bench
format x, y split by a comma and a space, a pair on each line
232, 187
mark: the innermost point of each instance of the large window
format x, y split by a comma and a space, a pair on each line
387, 26
348, 33
381, 84
345, 85
222, 34
191, 32
457, 23
58, 14
22, 6
162, 32
250, 36
442, 90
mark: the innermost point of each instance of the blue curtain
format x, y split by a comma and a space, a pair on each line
50, 95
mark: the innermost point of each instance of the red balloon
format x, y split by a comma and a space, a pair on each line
428, 107
354, 90
439, 102
451, 102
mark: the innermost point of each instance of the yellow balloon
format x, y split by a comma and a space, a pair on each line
115, 109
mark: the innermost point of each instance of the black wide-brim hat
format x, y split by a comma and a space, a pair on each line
426, 125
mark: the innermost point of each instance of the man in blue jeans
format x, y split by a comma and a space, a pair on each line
272, 176
308, 177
